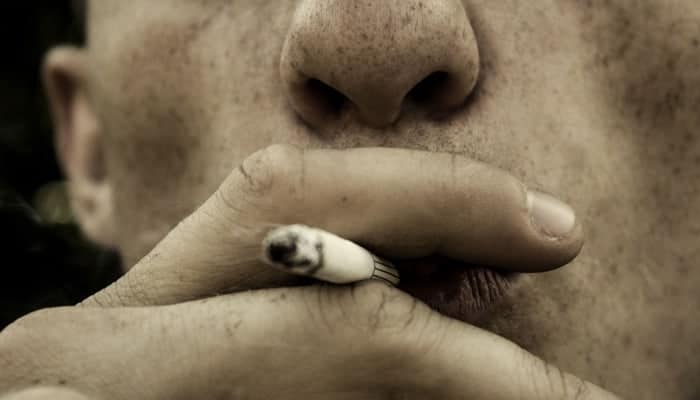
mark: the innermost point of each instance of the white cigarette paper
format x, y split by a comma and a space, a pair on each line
312, 252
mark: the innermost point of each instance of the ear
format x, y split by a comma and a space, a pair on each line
79, 142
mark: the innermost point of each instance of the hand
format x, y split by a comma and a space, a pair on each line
400, 203
367, 341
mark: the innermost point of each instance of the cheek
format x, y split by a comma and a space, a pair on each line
180, 101
532, 111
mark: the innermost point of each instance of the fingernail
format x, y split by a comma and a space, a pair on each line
550, 215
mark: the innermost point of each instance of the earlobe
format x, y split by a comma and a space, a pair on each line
79, 142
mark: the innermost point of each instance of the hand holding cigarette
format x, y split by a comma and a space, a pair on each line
330, 328
412, 204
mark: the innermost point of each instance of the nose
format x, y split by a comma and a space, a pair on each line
372, 56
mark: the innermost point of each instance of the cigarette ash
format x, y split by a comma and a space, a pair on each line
295, 248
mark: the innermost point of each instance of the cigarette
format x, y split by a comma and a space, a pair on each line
315, 253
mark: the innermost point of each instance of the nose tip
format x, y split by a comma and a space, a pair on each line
372, 55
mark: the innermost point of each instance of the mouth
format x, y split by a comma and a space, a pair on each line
457, 290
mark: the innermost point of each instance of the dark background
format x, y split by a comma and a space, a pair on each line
44, 261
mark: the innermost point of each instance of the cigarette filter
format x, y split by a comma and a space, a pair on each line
315, 253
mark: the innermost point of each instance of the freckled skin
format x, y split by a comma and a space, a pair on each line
595, 101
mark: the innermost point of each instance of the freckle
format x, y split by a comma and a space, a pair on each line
278, 299
62, 382
626, 341
649, 352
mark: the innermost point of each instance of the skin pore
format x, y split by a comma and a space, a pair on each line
592, 101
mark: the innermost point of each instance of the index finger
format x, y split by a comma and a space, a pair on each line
401, 203
410, 204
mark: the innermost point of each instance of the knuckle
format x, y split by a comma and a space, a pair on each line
263, 177
499, 188
378, 314
549, 381
377, 308
265, 171
579, 389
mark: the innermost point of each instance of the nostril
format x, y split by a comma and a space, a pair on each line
324, 98
356, 60
431, 88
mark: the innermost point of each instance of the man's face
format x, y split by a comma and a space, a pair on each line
593, 101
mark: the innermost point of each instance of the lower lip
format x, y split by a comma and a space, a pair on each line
454, 289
